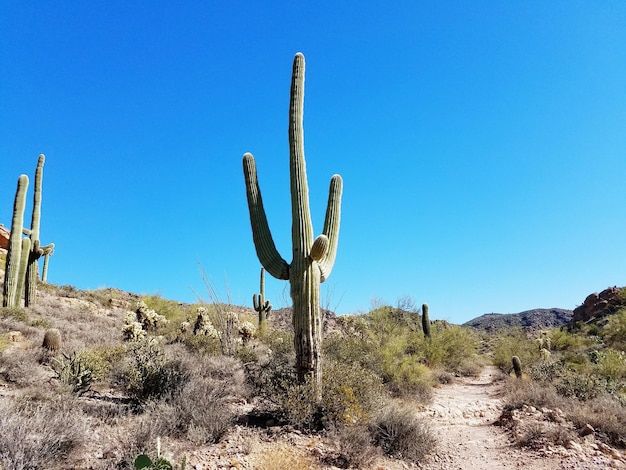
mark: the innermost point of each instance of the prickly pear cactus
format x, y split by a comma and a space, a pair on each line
313, 258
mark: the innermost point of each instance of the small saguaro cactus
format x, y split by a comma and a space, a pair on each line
36, 250
425, 321
313, 258
11, 295
262, 306
517, 366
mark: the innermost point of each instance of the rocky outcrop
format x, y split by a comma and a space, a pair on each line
4, 237
597, 306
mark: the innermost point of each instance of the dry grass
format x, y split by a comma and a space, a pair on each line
281, 457
40, 435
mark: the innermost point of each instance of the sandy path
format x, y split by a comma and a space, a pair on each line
462, 416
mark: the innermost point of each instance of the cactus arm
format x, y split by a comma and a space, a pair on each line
14, 252
263, 241
331, 226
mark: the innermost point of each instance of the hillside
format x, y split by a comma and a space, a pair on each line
532, 320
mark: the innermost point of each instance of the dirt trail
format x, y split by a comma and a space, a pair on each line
462, 415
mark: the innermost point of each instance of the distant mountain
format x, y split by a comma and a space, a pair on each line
535, 319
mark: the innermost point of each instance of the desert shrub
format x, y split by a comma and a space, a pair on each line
614, 332
17, 313
355, 446
200, 411
539, 395
605, 413
21, 367
611, 364
532, 437
39, 434
401, 434
350, 394
563, 340
100, 360
150, 373
514, 343
451, 347
72, 371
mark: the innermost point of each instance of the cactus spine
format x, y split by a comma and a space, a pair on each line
517, 366
425, 321
313, 259
36, 250
261, 305
10, 294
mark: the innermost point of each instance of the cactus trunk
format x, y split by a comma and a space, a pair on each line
313, 259
32, 275
10, 297
425, 321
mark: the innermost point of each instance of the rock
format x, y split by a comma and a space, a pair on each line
586, 430
597, 305
4, 237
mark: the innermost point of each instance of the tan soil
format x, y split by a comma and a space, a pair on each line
463, 414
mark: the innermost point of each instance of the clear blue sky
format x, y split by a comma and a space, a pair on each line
482, 144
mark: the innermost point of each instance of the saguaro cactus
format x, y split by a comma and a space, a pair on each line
517, 366
36, 250
425, 321
260, 303
313, 259
10, 294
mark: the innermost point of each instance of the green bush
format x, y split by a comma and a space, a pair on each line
514, 343
150, 373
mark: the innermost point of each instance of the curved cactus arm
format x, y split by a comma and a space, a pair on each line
263, 241
331, 226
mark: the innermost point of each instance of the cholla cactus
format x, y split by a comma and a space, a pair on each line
132, 329
149, 318
246, 331
203, 325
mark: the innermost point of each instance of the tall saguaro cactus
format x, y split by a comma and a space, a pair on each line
262, 306
313, 258
10, 294
425, 321
36, 250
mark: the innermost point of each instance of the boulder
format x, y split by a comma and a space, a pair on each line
4, 237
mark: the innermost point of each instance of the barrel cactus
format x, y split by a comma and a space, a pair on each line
313, 258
